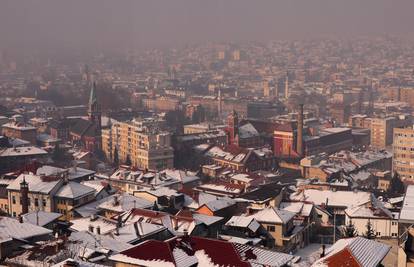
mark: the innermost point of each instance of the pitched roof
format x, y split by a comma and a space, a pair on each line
367, 253
12, 228
40, 218
273, 215
263, 193
35, 182
191, 250
74, 190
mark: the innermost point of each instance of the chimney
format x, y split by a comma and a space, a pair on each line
136, 227
24, 195
299, 145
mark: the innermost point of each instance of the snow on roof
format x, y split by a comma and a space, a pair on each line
206, 219
124, 202
79, 262
247, 130
264, 257
300, 208
40, 218
161, 191
22, 151
83, 224
74, 190
331, 198
407, 210
244, 222
243, 177
219, 204
98, 242
12, 228
72, 173
367, 253
35, 182
137, 231
273, 215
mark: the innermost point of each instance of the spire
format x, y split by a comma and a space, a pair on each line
92, 96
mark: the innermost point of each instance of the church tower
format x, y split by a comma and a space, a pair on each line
94, 109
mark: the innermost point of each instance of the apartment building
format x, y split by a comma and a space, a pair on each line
382, 129
141, 143
403, 152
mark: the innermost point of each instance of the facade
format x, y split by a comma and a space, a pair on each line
403, 152
382, 129
39, 196
145, 146
19, 130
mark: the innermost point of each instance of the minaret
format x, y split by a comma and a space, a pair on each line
287, 85
219, 104
299, 144
24, 196
94, 109
233, 126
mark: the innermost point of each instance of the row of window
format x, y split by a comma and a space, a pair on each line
36, 201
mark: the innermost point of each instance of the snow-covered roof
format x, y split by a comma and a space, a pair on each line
40, 218
367, 253
35, 182
331, 198
243, 222
247, 130
407, 209
136, 231
124, 202
22, 151
14, 229
299, 208
273, 215
83, 224
219, 204
74, 190
98, 242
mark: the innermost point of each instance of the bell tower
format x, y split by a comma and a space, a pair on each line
94, 109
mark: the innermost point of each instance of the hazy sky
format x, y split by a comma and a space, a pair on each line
129, 23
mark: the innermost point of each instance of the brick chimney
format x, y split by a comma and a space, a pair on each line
24, 195
299, 140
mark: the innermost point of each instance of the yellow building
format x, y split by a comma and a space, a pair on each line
40, 194
141, 142
403, 152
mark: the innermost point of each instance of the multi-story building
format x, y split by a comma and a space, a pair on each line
39, 194
403, 152
20, 130
142, 145
382, 129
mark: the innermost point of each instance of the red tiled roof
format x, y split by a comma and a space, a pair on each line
151, 250
343, 258
221, 253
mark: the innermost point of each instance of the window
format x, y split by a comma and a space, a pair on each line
44, 202
394, 234
271, 228
36, 202
14, 214
13, 199
378, 233
394, 223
